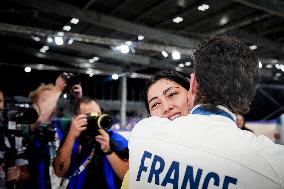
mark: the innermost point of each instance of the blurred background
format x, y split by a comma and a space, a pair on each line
116, 45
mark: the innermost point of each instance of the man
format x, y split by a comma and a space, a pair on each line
91, 161
46, 134
205, 149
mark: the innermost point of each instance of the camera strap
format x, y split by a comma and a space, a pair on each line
82, 167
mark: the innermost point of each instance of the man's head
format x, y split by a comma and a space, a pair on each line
41, 93
225, 73
166, 95
86, 105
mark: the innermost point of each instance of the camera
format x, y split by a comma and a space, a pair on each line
14, 130
17, 118
71, 79
95, 122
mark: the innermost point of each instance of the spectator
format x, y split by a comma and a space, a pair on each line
240, 121
91, 161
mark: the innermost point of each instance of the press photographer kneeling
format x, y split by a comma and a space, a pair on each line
90, 156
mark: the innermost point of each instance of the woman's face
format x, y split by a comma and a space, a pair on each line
167, 99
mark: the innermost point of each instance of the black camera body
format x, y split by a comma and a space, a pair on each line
14, 127
95, 122
17, 119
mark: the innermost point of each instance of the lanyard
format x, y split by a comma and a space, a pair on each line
220, 110
82, 167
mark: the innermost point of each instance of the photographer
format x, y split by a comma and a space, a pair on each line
45, 135
13, 172
97, 160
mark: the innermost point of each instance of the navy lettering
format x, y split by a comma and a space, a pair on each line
210, 176
189, 177
156, 171
229, 180
142, 167
173, 170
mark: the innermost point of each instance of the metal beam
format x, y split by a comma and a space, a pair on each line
91, 39
238, 24
153, 9
109, 22
275, 7
258, 40
76, 62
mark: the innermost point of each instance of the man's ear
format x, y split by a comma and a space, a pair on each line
193, 84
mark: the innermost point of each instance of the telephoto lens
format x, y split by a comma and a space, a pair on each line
96, 121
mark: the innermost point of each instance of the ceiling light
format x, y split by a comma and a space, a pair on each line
124, 49
253, 47
58, 41
181, 65
203, 7
140, 37
165, 54
268, 65
114, 76
259, 64
224, 20
176, 55
70, 41
74, 21
178, 69
60, 34
28, 69
128, 43
94, 59
67, 28
35, 38
90, 72
44, 49
49, 40
178, 19
187, 63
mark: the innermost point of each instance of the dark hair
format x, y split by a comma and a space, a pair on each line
227, 74
169, 75
82, 100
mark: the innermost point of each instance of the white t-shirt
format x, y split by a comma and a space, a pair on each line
202, 151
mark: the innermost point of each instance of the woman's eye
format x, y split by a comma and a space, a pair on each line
155, 105
172, 94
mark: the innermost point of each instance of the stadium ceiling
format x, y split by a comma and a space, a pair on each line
29, 28
132, 36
